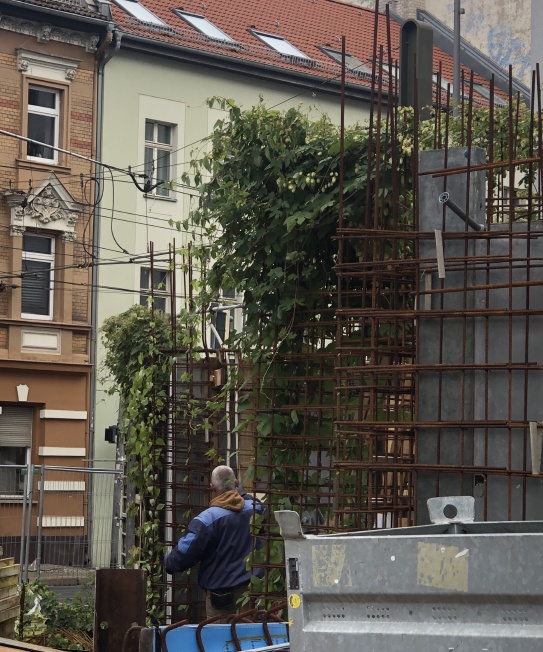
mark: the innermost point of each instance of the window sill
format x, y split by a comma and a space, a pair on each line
39, 159
31, 317
33, 163
160, 198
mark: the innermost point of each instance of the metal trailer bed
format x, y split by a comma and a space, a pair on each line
454, 585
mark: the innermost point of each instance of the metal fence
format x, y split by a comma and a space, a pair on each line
60, 521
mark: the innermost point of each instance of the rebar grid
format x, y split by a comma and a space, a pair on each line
450, 362
411, 384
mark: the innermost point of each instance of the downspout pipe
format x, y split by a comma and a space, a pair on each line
103, 58
458, 11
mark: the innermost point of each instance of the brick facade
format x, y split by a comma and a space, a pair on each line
48, 348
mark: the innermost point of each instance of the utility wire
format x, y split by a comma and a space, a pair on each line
132, 261
65, 151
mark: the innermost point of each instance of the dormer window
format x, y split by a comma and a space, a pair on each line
281, 45
351, 63
138, 11
204, 26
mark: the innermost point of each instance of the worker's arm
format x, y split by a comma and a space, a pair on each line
190, 549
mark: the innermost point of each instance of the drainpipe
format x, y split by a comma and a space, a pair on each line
458, 11
102, 61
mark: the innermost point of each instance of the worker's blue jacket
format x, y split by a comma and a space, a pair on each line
220, 539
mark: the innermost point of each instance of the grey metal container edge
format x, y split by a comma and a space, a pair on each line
449, 586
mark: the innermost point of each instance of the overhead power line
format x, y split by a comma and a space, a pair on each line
147, 187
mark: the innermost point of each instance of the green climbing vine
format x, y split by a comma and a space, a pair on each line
134, 343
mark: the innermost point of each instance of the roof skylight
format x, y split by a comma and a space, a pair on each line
204, 26
281, 45
387, 69
351, 62
140, 12
445, 83
485, 92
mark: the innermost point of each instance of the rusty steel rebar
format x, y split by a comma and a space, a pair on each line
370, 414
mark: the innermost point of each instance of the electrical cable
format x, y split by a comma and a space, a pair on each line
112, 211
92, 215
133, 260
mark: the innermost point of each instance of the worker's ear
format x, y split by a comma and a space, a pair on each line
236, 484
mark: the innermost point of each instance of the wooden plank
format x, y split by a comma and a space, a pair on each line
120, 603
7, 605
7, 561
8, 581
7, 645
6, 591
9, 614
8, 628
8, 571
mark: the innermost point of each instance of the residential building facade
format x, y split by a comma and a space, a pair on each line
48, 99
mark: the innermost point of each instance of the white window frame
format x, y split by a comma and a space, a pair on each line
204, 26
352, 63
158, 293
485, 92
443, 81
34, 109
32, 255
139, 12
10, 497
157, 149
386, 69
13, 498
280, 45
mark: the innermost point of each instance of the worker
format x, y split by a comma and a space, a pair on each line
219, 538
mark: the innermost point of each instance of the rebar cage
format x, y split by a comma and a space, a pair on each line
423, 376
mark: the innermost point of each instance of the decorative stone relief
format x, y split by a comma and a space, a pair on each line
47, 66
45, 33
17, 229
92, 43
49, 208
46, 208
68, 236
